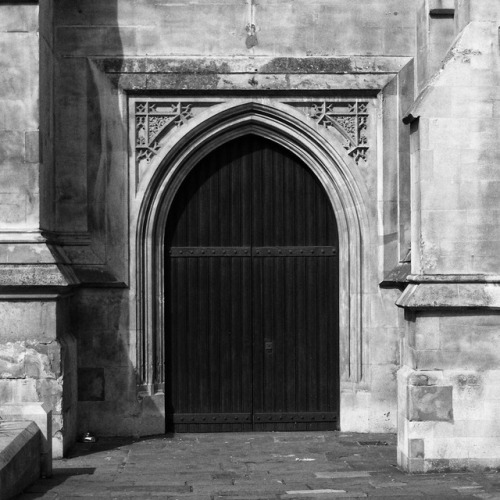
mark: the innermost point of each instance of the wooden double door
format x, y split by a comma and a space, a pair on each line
252, 295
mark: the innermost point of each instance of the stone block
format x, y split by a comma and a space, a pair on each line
18, 57
446, 447
91, 384
96, 40
119, 383
427, 332
28, 360
417, 449
15, 390
89, 313
441, 4
384, 380
485, 11
23, 320
221, 28
42, 416
18, 114
416, 465
18, 18
385, 346
20, 447
482, 428
71, 217
12, 146
485, 448
108, 348
32, 147
433, 403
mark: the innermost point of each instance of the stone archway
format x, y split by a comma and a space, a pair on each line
157, 190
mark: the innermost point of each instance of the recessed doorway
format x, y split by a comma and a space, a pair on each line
252, 324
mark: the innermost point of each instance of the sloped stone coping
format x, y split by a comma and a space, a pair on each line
41, 415
20, 449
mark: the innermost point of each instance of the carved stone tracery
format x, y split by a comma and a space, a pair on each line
350, 118
151, 121
154, 118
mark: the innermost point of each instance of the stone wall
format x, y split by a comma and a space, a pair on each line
105, 51
99, 56
448, 386
19, 117
37, 356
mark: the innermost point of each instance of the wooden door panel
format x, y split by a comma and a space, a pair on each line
252, 295
294, 342
210, 341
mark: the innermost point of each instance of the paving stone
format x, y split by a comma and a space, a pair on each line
260, 466
336, 475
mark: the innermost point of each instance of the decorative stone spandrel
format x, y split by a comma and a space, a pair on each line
433, 403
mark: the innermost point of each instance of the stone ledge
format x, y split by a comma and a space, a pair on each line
450, 295
20, 449
248, 65
44, 275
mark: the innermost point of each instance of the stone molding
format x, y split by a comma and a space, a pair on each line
157, 187
272, 97
34, 267
451, 295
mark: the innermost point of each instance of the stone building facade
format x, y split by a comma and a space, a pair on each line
393, 105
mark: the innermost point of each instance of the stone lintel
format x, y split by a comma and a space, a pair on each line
451, 295
259, 65
250, 74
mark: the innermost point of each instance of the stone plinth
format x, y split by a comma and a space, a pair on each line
38, 360
38, 413
448, 393
20, 449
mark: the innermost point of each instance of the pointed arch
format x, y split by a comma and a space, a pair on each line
154, 195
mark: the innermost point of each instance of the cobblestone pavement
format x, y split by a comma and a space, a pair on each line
258, 466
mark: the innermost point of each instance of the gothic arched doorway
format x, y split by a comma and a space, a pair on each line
251, 295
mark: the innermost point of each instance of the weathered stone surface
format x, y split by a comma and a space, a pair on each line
28, 360
430, 403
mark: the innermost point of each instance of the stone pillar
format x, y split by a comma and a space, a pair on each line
449, 390
37, 350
